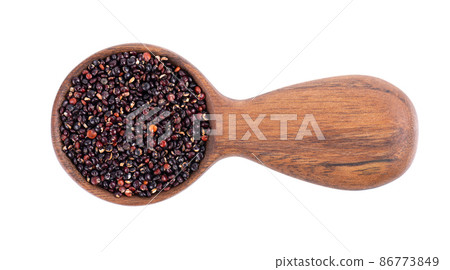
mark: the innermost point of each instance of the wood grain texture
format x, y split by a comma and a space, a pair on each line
370, 129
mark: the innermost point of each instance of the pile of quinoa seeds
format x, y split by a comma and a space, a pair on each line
134, 124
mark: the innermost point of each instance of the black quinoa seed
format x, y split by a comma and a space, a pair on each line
93, 124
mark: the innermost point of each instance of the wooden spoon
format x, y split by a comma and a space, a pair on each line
368, 127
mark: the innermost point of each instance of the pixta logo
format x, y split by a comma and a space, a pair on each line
141, 126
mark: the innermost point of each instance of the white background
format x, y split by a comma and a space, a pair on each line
236, 216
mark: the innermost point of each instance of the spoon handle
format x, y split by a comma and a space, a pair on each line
349, 132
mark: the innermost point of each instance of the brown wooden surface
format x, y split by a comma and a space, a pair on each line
369, 125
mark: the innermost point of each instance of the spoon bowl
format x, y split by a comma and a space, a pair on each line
349, 132
69, 167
